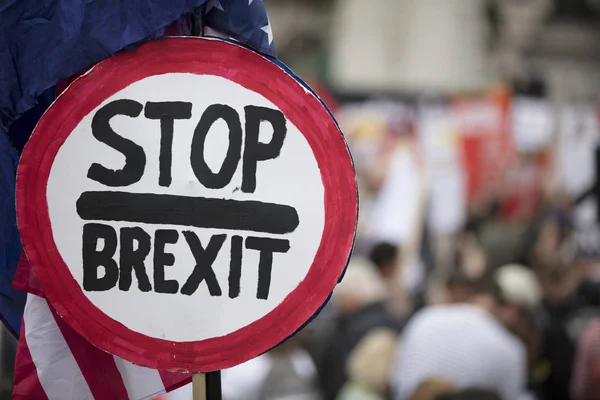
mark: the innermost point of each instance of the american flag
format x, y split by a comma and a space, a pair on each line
42, 43
244, 20
53, 361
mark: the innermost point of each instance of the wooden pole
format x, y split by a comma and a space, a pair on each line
207, 386
199, 386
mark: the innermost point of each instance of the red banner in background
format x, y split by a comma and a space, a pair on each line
487, 145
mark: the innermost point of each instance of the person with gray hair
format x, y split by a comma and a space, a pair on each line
360, 302
369, 366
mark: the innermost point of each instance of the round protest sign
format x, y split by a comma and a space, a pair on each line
187, 205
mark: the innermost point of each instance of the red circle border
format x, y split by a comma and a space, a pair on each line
254, 72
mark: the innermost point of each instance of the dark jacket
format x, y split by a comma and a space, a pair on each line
347, 335
564, 324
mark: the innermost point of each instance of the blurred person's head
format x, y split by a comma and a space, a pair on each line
432, 389
589, 268
560, 278
557, 197
521, 292
470, 256
471, 394
511, 293
384, 257
487, 294
549, 238
521, 295
469, 267
459, 288
362, 286
370, 363
481, 290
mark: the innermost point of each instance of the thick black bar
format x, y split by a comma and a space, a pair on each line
213, 386
200, 212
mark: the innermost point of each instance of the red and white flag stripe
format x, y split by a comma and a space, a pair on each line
54, 362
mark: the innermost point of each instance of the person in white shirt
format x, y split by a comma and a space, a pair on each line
464, 343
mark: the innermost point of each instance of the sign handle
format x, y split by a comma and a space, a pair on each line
207, 386
199, 386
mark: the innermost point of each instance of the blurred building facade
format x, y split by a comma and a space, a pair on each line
443, 47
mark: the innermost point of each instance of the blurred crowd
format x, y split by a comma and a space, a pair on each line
505, 306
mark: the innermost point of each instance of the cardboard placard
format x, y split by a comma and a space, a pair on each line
487, 145
187, 205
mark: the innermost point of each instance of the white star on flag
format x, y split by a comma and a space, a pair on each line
213, 4
268, 30
250, 2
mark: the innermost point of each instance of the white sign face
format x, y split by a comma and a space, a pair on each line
577, 144
191, 200
397, 202
187, 205
441, 146
532, 123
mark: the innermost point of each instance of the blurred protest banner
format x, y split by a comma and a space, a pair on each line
487, 144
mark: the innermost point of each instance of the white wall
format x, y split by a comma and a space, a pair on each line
425, 45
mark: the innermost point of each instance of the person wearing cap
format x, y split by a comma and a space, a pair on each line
520, 302
519, 312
